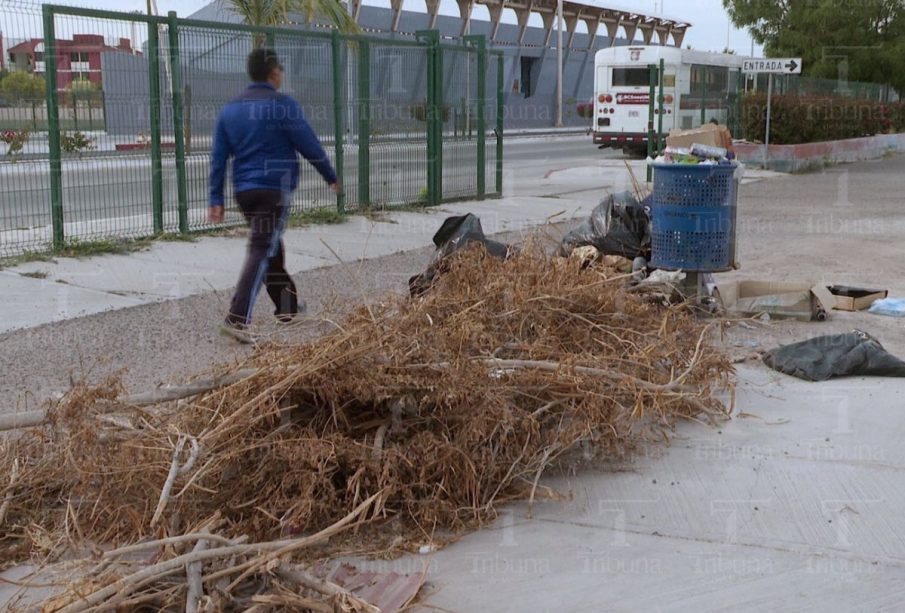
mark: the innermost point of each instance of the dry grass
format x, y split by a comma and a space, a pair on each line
438, 409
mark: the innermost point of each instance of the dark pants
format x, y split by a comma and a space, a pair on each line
266, 212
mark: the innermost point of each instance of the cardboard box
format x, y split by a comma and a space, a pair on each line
708, 134
802, 301
855, 298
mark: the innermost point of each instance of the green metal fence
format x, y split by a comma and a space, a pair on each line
797, 85
405, 121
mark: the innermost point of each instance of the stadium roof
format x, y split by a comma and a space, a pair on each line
636, 26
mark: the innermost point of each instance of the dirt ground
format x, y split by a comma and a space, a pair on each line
840, 226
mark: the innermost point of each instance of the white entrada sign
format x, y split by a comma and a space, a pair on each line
775, 65
772, 66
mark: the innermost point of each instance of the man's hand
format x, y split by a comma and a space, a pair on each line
215, 214
336, 187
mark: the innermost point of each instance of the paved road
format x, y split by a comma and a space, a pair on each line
97, 191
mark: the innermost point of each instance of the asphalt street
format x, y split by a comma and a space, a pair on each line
112, 195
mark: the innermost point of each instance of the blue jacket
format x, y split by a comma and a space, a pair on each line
262, 130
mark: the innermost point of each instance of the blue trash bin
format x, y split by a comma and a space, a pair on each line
693, 217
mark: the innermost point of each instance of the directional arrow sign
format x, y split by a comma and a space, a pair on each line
774, 65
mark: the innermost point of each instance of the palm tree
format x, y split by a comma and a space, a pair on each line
276, 12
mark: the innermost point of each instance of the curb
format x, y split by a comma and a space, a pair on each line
810, 156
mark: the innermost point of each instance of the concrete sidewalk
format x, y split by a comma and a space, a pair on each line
536, 192
43, 292
794, 505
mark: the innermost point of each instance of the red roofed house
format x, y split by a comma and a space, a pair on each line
79, 58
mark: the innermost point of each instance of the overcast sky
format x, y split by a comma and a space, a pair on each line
710, 29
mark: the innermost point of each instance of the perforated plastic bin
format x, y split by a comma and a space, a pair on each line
693, 217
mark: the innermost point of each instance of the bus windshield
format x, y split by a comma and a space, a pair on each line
633, 77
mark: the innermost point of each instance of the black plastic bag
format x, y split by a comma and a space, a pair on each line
619, 225
838, 355
454, 234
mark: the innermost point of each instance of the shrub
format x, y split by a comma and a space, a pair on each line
84, 90
75, 142
15, 140
897, 116
22, 86
809, 119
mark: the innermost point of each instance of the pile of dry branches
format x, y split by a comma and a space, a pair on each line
423, 415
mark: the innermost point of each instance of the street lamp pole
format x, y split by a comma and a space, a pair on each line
559, 59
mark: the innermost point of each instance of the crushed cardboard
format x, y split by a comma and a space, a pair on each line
855, 298
710, 134
801, 301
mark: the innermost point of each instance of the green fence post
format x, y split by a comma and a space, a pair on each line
439, 114
702, 75
737, 124
480, 43
338, 116
154, 109
53, 127
431, 38
178, 127
660, 104
652, 80
500, 100
364, 123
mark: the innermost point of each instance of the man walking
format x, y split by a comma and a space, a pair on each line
263, 130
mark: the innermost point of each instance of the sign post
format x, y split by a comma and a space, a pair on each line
772, 66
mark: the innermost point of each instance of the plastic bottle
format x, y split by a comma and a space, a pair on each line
708, 151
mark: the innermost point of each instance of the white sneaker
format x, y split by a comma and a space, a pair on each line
237, 333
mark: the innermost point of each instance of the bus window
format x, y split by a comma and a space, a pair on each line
718, 79
633, 77
715, 79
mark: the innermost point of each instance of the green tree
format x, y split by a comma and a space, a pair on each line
837, 39
84, 90
22, 86
277, 12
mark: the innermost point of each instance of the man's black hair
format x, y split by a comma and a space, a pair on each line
261, 62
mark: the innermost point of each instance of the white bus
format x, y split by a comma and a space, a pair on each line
691, 80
